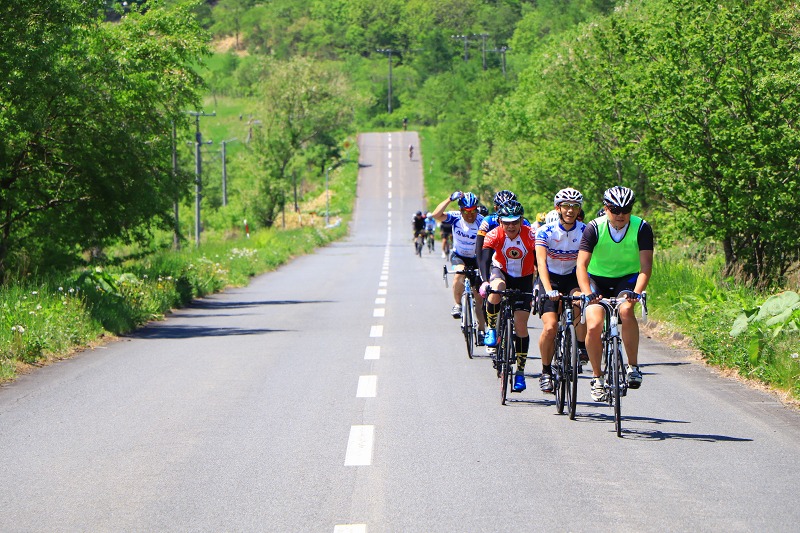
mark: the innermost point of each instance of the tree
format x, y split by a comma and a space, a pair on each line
303, 103
85, 121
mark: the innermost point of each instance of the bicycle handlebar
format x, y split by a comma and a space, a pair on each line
472, 272
623, 296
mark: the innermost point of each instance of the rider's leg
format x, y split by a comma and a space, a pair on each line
630, 332
594, 330
548, 336
521, 338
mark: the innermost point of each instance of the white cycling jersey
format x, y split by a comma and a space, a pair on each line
562, 246
464, 235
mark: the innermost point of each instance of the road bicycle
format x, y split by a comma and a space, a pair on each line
419, 243
506, 355
430, 239
469, 321
615, 375
566, 365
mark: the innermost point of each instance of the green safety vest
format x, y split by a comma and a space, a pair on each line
616, 259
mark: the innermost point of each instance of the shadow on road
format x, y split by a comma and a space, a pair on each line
654, 435
221, 304
186, 332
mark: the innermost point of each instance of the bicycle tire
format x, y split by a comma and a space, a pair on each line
505, 357
560, 370
573, 372
467, 322
616, 385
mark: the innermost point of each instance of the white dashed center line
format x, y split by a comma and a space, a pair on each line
367, 387
376, 331
372, 353
359, 446
350, 528
379, 312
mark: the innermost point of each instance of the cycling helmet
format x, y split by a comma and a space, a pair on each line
567, 195
468, 201
540, 218
419, 213
429, 215
510, 211
620, 197
552, 216
503, 196
483, 210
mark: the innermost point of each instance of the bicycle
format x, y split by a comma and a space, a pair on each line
431, 241
469, 322
566, 365
506, 356
616, 378
419, 240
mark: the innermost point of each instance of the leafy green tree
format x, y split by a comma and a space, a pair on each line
85, 120
719, 108
303, 104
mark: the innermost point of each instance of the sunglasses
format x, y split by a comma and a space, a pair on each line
569, 206
620, 210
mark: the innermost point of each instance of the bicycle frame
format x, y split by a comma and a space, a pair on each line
469, 320
506, 353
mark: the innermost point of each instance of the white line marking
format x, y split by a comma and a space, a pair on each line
350, 528
384, 278
381, 291
379, 312
382, 284
359, 446
390, 164
390, 182
372, 352
376, 331
380, 301
390, 195
390, 205
367, 387
390, 175
389, 154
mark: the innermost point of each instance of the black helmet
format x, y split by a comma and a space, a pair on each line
503, 196
619, 197
510, 211
483, 210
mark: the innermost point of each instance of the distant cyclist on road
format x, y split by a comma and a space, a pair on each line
508, 261
410, 152
465, 223
556, 254
430, 226
418, 223
616, 254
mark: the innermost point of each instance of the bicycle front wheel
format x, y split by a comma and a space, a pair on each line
572, 374
467, 322
560, 371
616, 384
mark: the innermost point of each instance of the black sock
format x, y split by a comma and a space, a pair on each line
547, 369
581, 345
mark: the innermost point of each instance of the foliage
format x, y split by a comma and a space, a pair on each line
85, 121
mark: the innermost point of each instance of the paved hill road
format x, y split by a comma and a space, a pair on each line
335, 395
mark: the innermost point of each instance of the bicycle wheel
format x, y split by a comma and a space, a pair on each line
616, 384
572, 395
418, 246
560, 364
504, 357
509, 355
466, 321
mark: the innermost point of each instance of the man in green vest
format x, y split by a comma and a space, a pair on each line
616, 254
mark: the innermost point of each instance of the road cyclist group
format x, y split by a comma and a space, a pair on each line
583, 279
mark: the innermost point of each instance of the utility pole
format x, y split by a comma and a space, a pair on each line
176, 241
225, 172
502, 50
388, 53
466, 40
483, 37
198, 169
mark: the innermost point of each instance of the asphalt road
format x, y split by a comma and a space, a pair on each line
335, 395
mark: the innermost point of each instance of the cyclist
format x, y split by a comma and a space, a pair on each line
490, 222
405, 123
410, 152
446, 231
556, 254
508, 261
616, 254
430, 226
465, 224
418, 222
552, 217
539, 221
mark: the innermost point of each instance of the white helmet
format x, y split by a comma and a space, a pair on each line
568, 195
621, 197
552, 216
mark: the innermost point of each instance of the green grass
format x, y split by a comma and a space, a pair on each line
47, 319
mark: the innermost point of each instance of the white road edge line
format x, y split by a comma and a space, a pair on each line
350, 528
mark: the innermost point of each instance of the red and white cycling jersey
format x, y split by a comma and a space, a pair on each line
516, 256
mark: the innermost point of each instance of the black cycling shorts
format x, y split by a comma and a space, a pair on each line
524, 284
564, 284
611, 287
